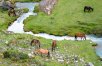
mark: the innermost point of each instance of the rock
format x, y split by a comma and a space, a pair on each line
91, 64
0, 62
6, 42
47, 6
60, 60
30, 55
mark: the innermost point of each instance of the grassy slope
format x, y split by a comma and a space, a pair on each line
67, 17
81, 48
5, 20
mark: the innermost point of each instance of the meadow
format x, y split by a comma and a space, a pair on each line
67, 18
67, 49
5, 20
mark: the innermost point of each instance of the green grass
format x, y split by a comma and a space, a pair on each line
83, 49
67, 18
25, 10
5, 20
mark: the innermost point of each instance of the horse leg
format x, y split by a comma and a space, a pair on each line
75, 37
39, 46
31, 43
52, 49
81, 38
85, 37
84, 10
91, 9
48, 55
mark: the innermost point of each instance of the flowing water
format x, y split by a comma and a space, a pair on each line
17, 27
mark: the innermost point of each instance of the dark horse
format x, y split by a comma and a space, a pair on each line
54, 44
12, 12
81, 35
36, 43
88, 9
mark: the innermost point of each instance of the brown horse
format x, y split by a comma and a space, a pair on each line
36, 43
54, 44
42, 51
12, 12
81, 35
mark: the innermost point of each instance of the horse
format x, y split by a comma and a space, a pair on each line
42, 51
88, 9
81, 35
35, 42
54, 44
12, 12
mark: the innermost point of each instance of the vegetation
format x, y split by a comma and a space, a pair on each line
17, 49
25, 10
67, 18
94, 44
36, 9
64, 20
5, 20
14, 54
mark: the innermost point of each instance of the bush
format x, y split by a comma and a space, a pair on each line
36, 9
6, 54
15, 54
25, 10
94, 44
23, 56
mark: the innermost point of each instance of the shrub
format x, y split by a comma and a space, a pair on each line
23, 56
15, 54
36, 9
94, 44
25, 10
6, 54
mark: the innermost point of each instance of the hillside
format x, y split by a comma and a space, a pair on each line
66, 50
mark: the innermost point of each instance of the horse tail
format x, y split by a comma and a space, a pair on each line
31, 42
52, 48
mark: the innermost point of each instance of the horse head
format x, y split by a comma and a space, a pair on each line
36, 42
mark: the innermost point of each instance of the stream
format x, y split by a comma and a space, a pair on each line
17, 27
